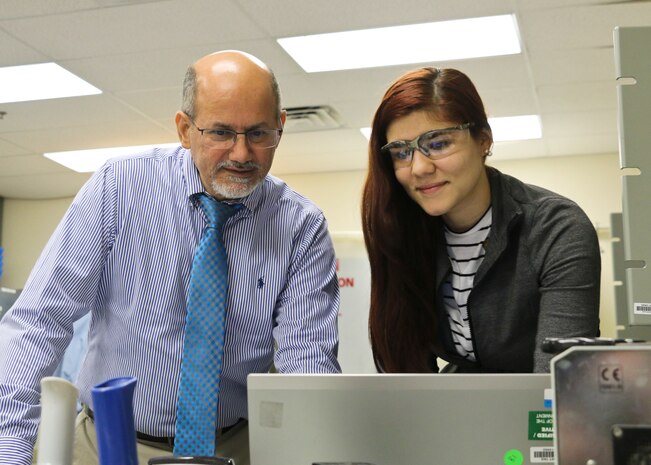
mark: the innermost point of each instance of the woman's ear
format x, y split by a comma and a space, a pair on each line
486, 142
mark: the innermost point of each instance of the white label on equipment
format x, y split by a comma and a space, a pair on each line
541, 454
641, 309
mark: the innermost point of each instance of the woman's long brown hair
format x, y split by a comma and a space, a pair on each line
400, 237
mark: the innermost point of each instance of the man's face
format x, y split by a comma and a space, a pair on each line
236, 105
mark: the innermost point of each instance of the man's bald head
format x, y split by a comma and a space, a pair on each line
221, 65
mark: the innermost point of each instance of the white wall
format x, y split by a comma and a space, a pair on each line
592, 181
26, 227
339, 194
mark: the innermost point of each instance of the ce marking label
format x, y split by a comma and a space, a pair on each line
611, 378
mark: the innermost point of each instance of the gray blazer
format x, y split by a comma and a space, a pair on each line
540, 278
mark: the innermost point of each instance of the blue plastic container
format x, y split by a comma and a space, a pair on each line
116, 433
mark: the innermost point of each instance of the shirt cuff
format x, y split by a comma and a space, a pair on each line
16, 451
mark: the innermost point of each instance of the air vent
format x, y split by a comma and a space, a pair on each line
314, 118
110, 3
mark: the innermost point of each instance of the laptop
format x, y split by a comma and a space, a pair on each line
400, 419
603, 405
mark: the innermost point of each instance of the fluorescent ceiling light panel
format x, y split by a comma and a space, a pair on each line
512, 128
40, 82
506, 128
87, 161
397, 45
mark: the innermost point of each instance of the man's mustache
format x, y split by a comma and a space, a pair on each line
237, 165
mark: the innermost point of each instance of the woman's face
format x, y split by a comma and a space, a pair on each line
454, 186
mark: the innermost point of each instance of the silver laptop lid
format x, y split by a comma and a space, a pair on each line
442, 419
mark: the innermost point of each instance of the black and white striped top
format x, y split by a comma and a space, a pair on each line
466, 252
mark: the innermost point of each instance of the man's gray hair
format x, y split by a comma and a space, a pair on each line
190, 91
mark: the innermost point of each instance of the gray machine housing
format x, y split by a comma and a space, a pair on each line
602, 405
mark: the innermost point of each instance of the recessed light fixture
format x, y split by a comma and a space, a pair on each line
396, 45
505, 128
87, 161
366, 132
40, 82
512, 128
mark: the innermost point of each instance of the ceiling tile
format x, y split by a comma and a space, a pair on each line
66, 112
586, 96
573, 66
159, 104
578, 27
109, 31
15, 9
42, 186
8, 149
579, 124
33, 164
300, 17
108, 135
14, 52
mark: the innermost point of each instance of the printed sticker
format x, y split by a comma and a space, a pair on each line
641, 309
541, 426
549, 396
541, 454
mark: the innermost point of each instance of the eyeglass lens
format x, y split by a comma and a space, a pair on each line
434, 144
226, 138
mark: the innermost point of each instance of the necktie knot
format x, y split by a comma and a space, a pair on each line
217, 212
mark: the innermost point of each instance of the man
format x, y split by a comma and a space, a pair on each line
124, 252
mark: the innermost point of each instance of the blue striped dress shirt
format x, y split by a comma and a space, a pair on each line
123, 252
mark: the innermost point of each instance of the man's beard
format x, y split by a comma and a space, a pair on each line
237, 187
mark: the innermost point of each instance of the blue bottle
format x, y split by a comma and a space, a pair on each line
116, 433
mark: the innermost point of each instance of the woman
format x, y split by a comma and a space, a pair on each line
467, 264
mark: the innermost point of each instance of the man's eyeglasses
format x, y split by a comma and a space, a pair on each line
226, 138
436, 144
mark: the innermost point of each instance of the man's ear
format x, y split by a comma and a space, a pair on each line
183, 128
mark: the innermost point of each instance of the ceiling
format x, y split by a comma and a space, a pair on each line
136, 52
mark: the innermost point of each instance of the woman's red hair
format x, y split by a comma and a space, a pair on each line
400, 237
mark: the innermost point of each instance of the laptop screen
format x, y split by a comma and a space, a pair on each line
389, 419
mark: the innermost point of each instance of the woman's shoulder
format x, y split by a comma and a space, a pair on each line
547, 220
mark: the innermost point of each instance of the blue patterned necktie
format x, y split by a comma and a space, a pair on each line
196, 415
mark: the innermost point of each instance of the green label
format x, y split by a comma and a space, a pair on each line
541, 426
